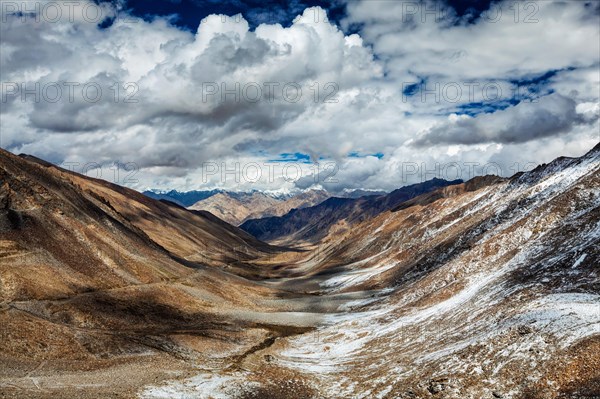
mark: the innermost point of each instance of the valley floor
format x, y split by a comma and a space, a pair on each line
488, 289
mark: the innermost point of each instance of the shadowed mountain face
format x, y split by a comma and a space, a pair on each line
193, 236
487, 288
313, 223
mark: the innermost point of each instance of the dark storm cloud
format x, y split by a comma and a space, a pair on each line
526, 121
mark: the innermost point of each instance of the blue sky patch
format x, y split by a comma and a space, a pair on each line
292, 157
356, 154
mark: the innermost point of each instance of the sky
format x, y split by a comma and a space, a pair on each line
291, 95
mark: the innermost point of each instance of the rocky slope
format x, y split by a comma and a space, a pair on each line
235, 209
493, 292
487, 289
103, 290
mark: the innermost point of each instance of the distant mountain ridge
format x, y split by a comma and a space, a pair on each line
360, 193
183, 198
189, 198
235, 208
314, 223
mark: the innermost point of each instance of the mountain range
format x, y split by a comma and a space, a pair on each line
487, 288
313, 223
236, 208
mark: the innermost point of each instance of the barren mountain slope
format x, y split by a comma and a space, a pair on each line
102, 289
194, 236
495, 293
488, 289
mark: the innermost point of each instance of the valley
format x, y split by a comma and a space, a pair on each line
481, 289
